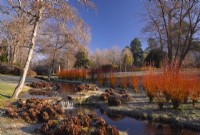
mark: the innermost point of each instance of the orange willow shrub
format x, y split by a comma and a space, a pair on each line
100, 79
175, 85
123, 81
112, 79
134, 82
72, 74
195, 90
150, 84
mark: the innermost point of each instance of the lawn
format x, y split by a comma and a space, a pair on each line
6, 91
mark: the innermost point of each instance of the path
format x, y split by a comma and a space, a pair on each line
15, 79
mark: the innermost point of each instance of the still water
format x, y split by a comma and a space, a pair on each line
130, 125
126, 124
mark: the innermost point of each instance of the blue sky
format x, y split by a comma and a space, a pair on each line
116, 22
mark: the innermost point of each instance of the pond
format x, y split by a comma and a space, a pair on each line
126, 124
131, 125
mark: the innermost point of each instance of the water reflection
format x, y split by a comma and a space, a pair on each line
66, 89
130, 125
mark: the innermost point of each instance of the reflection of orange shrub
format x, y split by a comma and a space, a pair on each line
72, 74
134, 83
124, 82
112, 80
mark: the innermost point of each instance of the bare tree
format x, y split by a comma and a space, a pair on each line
56, 39
38, 12
176, 23
108, 56
16, 32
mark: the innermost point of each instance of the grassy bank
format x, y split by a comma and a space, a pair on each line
6, 91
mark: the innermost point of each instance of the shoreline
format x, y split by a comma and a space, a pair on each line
186, 117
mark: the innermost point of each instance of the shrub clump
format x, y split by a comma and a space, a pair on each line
87, 87
78, 125
35, 110
115, 98
41, 85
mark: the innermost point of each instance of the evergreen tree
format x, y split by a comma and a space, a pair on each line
82, 59
137, 51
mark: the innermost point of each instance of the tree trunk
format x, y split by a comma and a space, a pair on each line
20, 85
14, 55
125, 66
51, 70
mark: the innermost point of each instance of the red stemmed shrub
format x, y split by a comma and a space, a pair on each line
124, 81
100, 79
134, 83
172, 83
72, 74
112, 79
150, 84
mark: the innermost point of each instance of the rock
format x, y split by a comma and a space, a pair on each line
114, 101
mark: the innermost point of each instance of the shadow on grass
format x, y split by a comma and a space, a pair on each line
6, 96
30, 129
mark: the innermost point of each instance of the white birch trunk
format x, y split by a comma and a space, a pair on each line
20, 85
